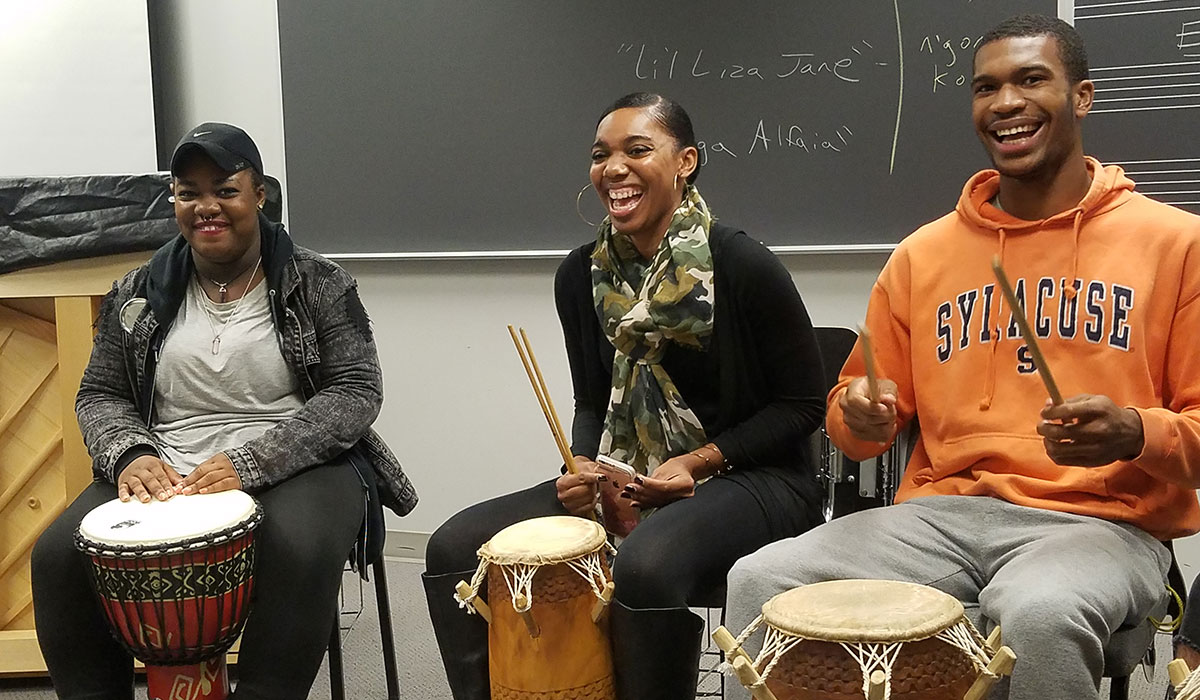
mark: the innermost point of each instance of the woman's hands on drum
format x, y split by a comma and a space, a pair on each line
147, 477
578, 492
867, 419
214, 475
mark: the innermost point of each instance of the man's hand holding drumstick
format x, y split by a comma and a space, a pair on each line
869, 403
1085, 430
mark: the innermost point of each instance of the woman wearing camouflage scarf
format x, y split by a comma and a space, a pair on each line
692, 359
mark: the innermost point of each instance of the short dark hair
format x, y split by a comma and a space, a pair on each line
1070, 44
668, 113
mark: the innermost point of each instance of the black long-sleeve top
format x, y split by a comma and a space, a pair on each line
758, 390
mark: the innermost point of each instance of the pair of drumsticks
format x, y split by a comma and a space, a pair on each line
538, 382
1018, 312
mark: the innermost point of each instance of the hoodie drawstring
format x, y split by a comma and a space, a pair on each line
1070, 290
989, 385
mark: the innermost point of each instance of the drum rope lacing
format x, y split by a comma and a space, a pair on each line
519, 579
870, 656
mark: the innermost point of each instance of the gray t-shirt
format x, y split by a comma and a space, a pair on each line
207, 402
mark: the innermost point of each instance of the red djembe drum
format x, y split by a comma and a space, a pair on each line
175, 579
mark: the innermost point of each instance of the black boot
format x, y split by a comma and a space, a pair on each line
656, 652
461, 636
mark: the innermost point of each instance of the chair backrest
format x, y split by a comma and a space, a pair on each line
835, 345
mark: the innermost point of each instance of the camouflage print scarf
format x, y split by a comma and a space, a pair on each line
643, 307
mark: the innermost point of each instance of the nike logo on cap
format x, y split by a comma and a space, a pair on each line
198, 134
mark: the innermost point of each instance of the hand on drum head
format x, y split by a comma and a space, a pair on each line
1090, 431
578, 492
871, 421
214, 475
671, 482
147, 477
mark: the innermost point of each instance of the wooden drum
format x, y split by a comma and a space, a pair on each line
548, 582
855, 639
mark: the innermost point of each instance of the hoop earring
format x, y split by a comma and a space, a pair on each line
578, 211
675, 182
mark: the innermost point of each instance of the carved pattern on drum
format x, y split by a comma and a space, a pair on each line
178, 582
599, 690
551, 584
925, 670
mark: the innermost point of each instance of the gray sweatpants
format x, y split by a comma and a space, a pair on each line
1058, 584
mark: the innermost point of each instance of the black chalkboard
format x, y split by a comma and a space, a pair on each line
465, 125
1145, 62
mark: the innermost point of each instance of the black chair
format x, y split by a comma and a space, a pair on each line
337, 680
851, 486
367, 552
711, 655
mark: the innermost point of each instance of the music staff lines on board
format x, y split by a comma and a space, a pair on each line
1131, 8
1147, 87
1171, 180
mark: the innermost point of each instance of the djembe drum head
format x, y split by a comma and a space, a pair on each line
828, 636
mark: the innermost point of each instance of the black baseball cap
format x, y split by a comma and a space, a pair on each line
230, 148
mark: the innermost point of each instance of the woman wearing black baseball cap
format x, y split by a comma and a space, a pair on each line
234, 359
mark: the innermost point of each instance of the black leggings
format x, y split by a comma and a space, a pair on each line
301, 546
680, 552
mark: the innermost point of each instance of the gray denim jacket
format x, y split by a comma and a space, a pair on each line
323, 333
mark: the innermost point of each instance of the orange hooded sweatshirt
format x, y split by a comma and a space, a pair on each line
1127, 327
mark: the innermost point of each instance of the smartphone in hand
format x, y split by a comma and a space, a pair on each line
620, 515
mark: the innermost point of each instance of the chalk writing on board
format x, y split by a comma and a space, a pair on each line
1171, 180
766, 138
952, 59
668, 63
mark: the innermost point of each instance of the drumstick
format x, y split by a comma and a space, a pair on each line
559, 434
869, 358
543, 397
1018, 312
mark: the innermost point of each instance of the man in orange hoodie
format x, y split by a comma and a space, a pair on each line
1044, 519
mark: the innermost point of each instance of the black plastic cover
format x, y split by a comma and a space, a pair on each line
46, 220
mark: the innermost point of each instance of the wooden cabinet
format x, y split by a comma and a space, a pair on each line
46, 317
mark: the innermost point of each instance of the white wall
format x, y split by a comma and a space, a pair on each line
75, 88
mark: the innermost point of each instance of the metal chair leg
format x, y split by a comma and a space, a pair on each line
1118, 689
337, 680
385, 630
